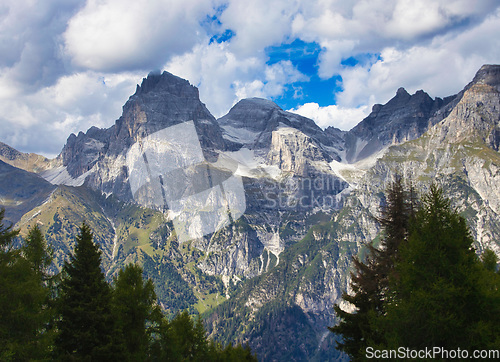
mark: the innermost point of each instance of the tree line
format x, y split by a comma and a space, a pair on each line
424, 286
77, 315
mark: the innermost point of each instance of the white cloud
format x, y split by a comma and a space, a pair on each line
223, 78
29, 42
42, 121
258, 23
335, 116
440, 68
130, 34
57, 53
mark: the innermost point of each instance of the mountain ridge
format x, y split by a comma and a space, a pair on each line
275, 273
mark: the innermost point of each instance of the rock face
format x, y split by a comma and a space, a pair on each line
293, 151
476, 117
404, 118
161, 101
251, 123
30, 162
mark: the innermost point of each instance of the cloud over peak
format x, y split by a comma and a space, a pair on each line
67, 64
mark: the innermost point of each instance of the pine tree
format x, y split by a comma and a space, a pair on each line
7, 236
37, 252
135, 310
39, 257
439, 292
490, 260
86, 323
369, 281
188, 338
24, 298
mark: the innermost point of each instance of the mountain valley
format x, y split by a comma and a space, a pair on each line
270, 273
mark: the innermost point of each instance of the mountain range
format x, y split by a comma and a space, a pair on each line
269, 275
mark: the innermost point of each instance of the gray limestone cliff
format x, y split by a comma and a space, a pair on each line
97, 157
404, 118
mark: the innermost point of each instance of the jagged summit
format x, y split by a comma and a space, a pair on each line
161, 101
166, 82
476, 116
488, 74
252, 121
402, 93
403, 118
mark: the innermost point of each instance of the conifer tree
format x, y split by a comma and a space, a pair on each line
37, 252
490, 260
370, 278
188, 338
24, 298
440, 294
86, 324
135, 311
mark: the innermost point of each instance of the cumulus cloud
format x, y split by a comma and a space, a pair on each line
223, 78
68, 64
371, 26
339, 117
440, 68
75, 103
130, 34
29, 43
258, 23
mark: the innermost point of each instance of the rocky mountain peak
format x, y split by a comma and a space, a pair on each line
404, 117
166, 83
476, 116
251, 122
161, 101
401, 93
252, 113
488, 74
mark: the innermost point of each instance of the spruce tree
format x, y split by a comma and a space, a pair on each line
440, 294
24, 298
136, 312
188, 336
38, 253
86, 324
369, 281
490, 260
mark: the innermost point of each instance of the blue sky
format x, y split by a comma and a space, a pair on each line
305, 58
66, 65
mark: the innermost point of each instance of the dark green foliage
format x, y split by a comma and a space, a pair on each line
170, 287
432, 292
371, 277
441, 294
188, 339
95, 322
490, 260
184, 339
25, 304
137, 316
238, 353
273, 325
37, 252
86, 323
